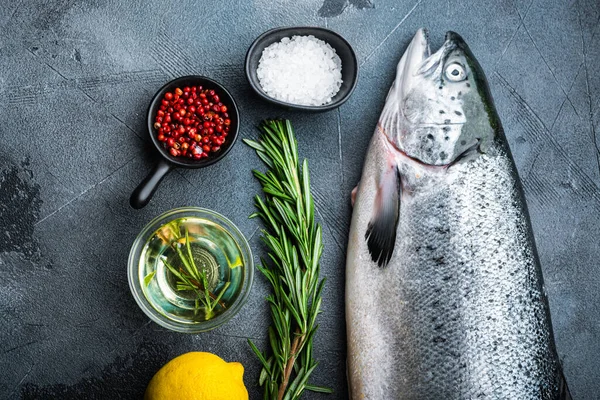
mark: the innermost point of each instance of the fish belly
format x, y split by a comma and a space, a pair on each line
460, 311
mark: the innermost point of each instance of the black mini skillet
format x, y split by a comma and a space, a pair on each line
145, 190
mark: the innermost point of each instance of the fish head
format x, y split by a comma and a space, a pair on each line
439, 107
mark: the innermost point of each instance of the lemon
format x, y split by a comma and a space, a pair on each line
198, 376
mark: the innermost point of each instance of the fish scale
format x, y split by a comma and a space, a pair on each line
459, 310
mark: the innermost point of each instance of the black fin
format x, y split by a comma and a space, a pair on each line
563, 389
381, 231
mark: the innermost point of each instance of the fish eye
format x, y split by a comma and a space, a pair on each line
455, 72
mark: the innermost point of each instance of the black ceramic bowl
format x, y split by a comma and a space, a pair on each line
143, 193
341, 46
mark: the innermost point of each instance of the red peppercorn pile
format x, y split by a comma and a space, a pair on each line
192, 122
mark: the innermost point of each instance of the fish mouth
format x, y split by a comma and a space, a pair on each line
418, 59
416, 53
433, 63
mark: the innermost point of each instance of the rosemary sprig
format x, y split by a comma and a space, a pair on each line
192, 278
294, 242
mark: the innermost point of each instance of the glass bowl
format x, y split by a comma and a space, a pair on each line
159, 263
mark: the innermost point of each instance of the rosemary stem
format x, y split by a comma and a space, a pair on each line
289, 365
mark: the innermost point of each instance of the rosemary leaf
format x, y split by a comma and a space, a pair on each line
318, 389
148, 278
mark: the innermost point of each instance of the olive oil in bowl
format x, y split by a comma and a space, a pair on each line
192, 270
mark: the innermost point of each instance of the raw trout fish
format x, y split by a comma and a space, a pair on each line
444, 290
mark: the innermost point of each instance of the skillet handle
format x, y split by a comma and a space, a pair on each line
145, 190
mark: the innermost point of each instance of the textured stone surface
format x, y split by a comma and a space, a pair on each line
75, 81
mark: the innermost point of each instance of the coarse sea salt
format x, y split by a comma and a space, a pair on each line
302, 70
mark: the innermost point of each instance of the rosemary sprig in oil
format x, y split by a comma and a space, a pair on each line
191, 278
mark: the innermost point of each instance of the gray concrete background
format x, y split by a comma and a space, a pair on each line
75, 81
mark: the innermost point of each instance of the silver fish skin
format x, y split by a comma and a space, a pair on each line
444, 291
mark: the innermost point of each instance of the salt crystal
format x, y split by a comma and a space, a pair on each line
302, 70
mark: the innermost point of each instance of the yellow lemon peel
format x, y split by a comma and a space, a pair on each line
198, 376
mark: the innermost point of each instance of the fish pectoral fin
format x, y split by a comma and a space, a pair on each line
381, 231
353, 194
